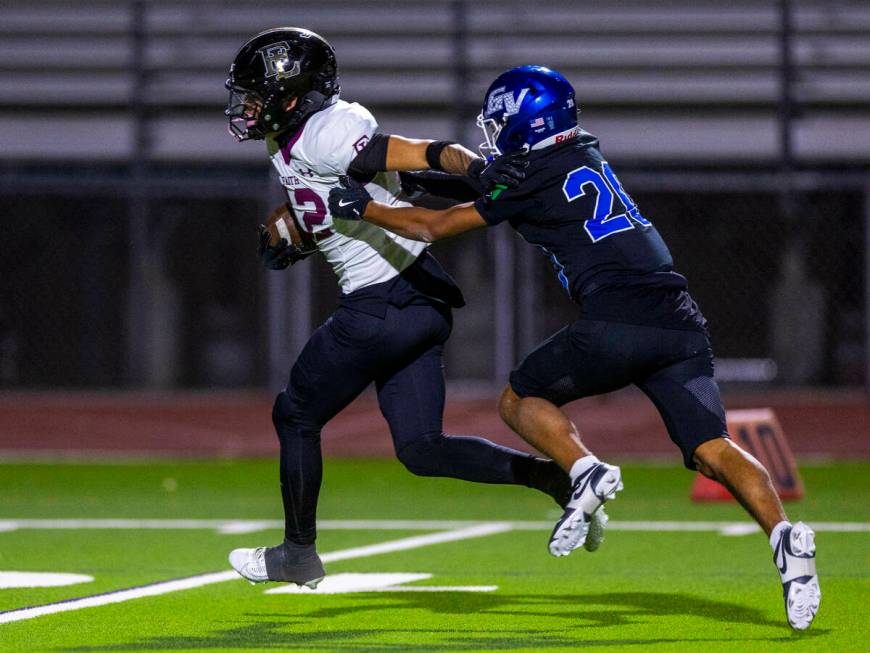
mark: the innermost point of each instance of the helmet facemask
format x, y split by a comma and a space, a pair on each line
491, 129
252, 116
243, 110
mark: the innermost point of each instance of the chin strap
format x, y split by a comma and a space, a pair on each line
311, 103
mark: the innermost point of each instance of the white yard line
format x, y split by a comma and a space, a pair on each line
239, 526
416, 541
120, 596
459, 530
166, 587
351, 583
227, 526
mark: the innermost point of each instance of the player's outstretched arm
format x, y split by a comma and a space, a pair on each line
422, 224
405, 154
418, 154
397, 153
352, 201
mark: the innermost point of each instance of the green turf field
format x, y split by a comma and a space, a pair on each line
646, 589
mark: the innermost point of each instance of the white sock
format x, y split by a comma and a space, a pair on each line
581, 465
776, 533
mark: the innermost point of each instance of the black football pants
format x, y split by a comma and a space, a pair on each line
402, 354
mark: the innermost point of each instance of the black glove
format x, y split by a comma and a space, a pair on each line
280, 256
349, 200
411, 186
506, 171
442, 185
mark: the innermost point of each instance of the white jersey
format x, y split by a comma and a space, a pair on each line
310, 164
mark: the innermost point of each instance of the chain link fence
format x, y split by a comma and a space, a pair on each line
784, 293
65, 313
127, 244
782, 287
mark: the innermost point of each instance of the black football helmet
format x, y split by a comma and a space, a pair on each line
272, 69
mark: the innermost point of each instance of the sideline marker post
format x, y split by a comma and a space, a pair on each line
758, 432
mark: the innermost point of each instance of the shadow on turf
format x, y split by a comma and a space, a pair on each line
611, 609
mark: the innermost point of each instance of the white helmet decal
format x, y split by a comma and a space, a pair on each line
501, 99
277, 62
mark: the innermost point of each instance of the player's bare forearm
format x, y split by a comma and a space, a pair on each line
456, 158
422, 224
406, 153
410, 154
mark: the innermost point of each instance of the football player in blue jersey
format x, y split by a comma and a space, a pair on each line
637, 322
395, 311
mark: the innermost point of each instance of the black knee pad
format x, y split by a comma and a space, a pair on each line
281, 409
292, 419
421, 456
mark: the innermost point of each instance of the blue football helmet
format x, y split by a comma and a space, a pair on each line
527, 108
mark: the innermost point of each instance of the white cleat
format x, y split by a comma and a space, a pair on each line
598, 484
795, 558
595, 536
250, 563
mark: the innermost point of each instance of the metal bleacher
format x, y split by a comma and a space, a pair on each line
672, 79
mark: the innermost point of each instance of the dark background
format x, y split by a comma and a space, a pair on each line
127, 239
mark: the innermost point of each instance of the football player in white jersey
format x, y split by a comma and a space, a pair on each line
395, 309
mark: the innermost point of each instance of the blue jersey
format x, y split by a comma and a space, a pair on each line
610, 259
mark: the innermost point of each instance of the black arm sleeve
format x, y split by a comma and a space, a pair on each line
371, 160
441, 184
433, 153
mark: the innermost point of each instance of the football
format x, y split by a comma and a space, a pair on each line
282, 224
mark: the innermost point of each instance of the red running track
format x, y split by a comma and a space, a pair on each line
238, 424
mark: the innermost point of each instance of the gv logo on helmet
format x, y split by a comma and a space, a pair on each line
501, 99
277, 62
